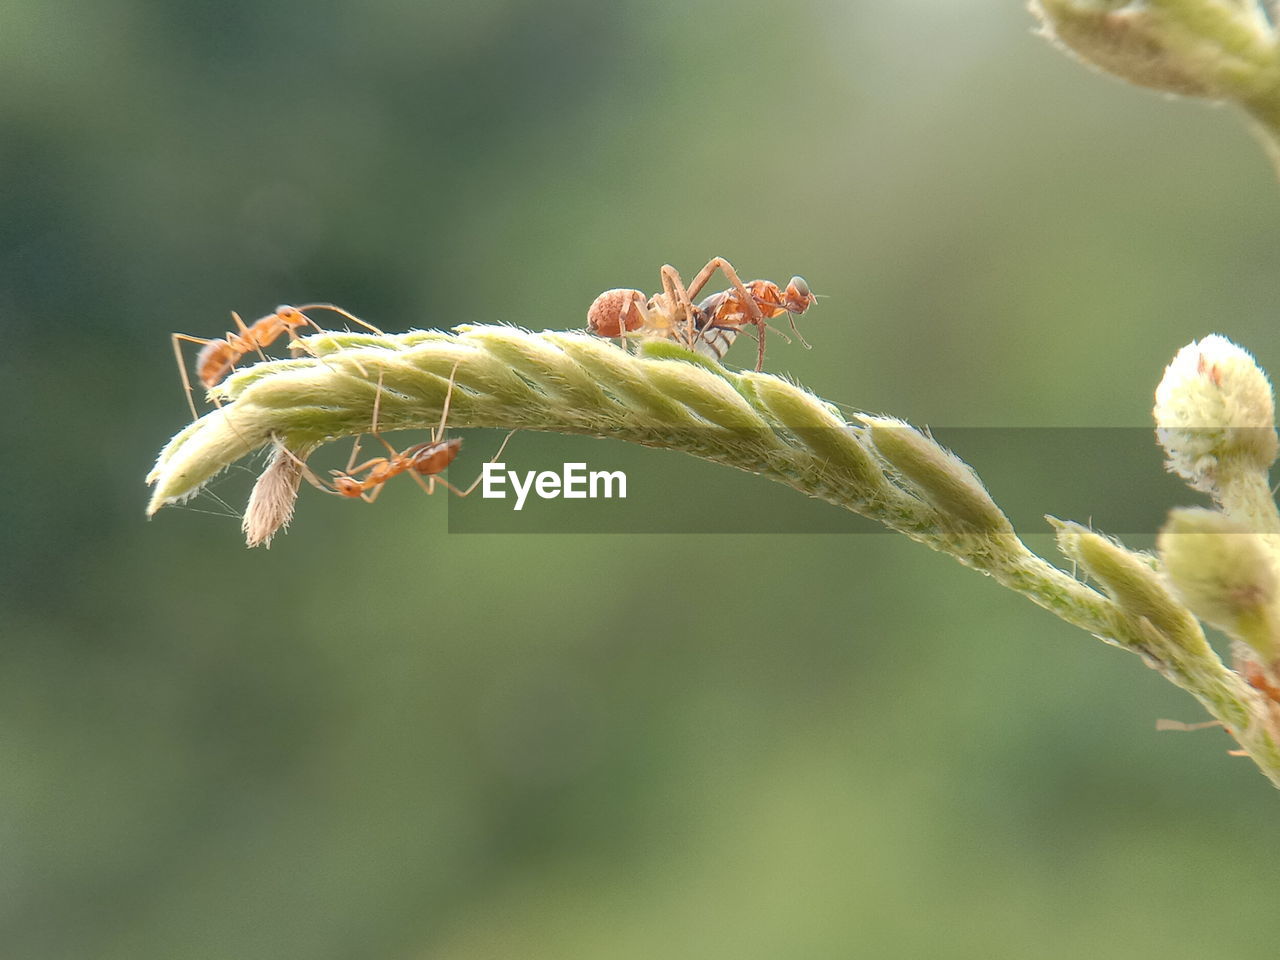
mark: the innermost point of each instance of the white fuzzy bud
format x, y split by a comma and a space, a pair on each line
1215, 413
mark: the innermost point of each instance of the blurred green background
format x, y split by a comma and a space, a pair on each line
383, 740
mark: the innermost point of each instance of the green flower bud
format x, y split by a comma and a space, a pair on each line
1220, 49
1224, 574
1122, 39
1136, 588
942, 478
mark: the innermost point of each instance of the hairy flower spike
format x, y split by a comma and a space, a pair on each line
839, 445
505, 377
942, 478
1225, 575
1137, 590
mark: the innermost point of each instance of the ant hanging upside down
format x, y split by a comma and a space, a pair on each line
710, 327
424, 462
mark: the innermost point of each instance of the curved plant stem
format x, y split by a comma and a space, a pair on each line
667, 397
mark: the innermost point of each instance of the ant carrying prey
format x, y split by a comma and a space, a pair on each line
217, 358
708, 328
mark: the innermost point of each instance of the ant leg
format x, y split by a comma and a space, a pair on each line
1166, 725
677, 293
622, 321
749, 302
296, 346
781, 333
246, 336
293, 339
295, 343
429, 484
438, 433
796, 330
355, 449
340, 312
392, 450
646, 319
177, 339
725, 267
307, 473
359, 467
475, 483
377, 404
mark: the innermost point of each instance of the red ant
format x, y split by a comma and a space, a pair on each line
726, 313
421, 460
217, 358
709, 327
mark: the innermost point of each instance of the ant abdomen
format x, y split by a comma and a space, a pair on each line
216, 359
432, 458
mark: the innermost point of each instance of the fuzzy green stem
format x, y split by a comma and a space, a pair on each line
1245, 496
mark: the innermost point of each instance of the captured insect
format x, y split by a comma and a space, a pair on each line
709, 327
217, 358
422, 461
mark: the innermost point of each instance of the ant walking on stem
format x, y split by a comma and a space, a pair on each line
708, 328
422, 460
218, 357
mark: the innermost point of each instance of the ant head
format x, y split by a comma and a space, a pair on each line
798, 296
290, 316
347, 486
615, 310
